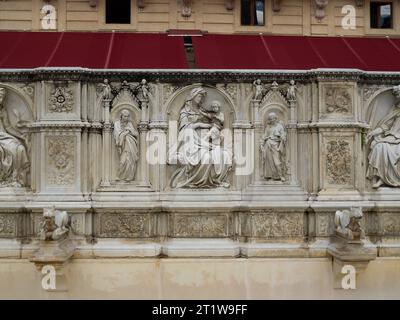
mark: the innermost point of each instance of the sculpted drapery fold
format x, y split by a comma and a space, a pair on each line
14, 161
126, 140
203, 161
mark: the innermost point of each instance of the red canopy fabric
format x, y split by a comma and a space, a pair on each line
97, 50
108, 50
295, 52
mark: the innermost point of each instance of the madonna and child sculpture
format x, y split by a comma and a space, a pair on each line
203, 161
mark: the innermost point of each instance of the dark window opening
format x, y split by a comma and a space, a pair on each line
188, 42
252, 12
381, 15
118, 11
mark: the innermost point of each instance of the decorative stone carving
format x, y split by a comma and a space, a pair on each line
370, 91
56, 224
8, 225
338, 100
348, 245
61, 160
14, 162
259, 90
230, 89
324, 225
202, 160
347, 223
291, 91
338, 162
273, 149
320, 6
126, 140
277, 224
143, 90
390, 222
384, 144
61, 100
186, 8
104, 90
29, 90
189, 225
124, 225
168, 91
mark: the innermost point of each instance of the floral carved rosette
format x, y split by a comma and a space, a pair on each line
61, 100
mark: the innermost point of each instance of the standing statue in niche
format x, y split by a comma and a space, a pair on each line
384, 155
273, 149
203, 161
126, 140
258, 89
14, 162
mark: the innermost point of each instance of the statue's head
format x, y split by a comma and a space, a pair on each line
125, 116
258, 81
144, 81
272, 118
292, 82
106, 81
197, 95
215, 106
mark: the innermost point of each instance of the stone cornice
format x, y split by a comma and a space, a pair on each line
192, 75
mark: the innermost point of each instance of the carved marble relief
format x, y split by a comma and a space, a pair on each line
202, 226
277, 224
384, 148
273, 149
126, 140
338, 100
8, 225
338, 162
61, 100
14, 161
123, 225
390, 223
324, 224
60, 160
202, 159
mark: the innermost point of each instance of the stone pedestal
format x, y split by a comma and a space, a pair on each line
356, 254
50, 260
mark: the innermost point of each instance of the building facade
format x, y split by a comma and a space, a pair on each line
266, 171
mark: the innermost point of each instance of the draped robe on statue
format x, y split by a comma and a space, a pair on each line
204, 165
126, 140
385, 151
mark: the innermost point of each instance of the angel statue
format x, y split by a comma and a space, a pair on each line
291, 91
259, 89
143, 90
105, 90
14, 162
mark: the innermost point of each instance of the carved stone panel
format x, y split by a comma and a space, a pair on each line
324, 224
337, 101
390, 223
62, 101
123, 225
60, 160
337, 161
199, 225
269, 224
8, 225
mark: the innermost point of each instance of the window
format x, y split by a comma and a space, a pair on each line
252, 12
381, 15
118, 11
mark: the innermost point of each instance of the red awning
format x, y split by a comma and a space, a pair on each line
296, 53
97, 50
107, 50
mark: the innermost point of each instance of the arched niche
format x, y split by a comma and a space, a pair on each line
274, 102
134, 112
177, 101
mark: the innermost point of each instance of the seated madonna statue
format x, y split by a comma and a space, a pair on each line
384, 155
202, 160
13, 156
